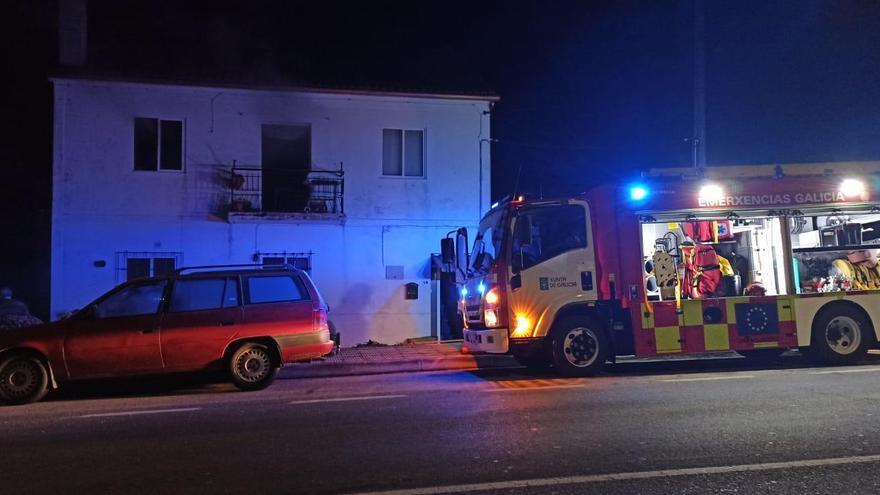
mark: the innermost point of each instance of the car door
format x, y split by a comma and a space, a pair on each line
203, 316
119, 335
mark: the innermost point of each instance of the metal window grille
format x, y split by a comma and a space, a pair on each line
303, 261
131, 264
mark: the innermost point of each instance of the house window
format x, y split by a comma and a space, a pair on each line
158, 144
303, 261
403, 153
131, 265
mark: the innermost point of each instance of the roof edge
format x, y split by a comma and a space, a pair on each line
64, 76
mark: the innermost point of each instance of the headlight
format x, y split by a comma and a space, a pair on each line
492, 296
491, 318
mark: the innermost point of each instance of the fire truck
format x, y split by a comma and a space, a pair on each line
752, 259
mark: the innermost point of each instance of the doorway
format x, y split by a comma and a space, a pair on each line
287, 159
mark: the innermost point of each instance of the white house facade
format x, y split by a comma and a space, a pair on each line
356, 187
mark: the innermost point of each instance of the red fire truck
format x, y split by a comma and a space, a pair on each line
754, 259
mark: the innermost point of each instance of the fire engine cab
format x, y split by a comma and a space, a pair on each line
754, 259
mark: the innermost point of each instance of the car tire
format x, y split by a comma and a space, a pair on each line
253, 367
335, 337
841, 335
580, 346
23, 379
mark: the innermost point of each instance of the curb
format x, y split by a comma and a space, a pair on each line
474, 362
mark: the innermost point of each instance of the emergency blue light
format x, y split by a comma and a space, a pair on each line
481, 288
638, 193
464, 292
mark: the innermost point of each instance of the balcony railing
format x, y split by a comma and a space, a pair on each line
263, 191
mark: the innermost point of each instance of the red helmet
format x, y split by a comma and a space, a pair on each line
755, 289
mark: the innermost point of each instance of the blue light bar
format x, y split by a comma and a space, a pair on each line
638, 192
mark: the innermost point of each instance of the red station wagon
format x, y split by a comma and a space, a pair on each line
247, 320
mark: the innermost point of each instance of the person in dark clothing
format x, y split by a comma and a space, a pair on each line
10, 306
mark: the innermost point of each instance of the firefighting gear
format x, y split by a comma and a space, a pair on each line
755, 289
708, 230
860, 275
702, 271
726, 268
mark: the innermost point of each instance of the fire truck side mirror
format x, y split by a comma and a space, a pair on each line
447, 250
462, 258
516, 262
522, 231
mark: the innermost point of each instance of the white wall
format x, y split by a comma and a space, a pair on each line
101, 206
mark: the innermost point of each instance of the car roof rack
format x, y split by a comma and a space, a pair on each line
254, 266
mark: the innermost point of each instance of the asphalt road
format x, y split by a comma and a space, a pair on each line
708, 427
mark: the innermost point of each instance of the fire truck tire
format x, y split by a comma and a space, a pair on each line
841, 335
580, 346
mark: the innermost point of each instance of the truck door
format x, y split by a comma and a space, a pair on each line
553, 264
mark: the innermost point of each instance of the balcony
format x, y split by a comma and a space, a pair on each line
285, 194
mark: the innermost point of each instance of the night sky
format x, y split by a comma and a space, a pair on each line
589, 91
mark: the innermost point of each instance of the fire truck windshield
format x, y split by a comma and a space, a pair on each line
487, 244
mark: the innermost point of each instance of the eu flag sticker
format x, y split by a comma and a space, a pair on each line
544, 282
757, 319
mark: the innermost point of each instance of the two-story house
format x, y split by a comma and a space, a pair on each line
355, 187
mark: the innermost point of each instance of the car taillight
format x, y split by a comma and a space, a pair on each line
319, 321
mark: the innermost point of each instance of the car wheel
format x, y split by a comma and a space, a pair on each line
841, 335
335, 337
23, 379
253, 367
580, 346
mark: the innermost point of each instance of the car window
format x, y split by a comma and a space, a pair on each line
140, 299
203, 293
274, 288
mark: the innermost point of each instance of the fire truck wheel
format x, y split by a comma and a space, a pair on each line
841, 335
580, 346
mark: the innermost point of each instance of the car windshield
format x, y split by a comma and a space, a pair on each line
488, 241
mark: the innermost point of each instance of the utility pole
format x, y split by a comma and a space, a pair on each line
699, 136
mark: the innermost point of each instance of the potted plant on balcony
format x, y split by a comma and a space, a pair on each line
237, 181
240, 204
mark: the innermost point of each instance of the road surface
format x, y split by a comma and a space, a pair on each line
718, 426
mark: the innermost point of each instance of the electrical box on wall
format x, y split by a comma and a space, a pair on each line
393, 272
412, 290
